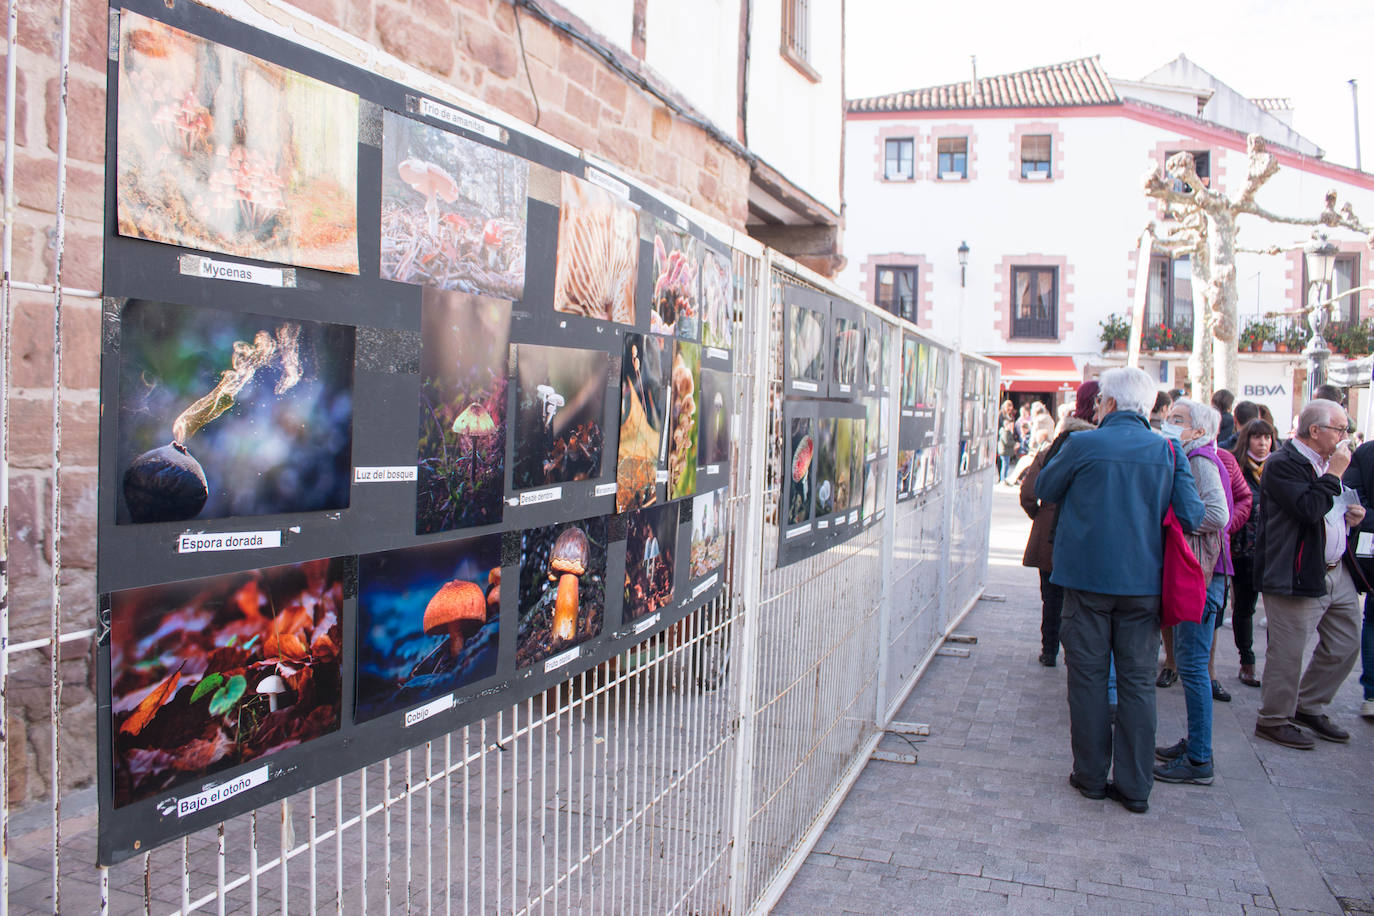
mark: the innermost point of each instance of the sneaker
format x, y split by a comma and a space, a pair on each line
1286, 734
1322, 726
1182, 769
1367, 709
1167, 678
1173, 751
1219, 692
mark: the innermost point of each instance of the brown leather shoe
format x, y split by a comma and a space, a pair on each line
1322, 727
1286, 734
1247, 676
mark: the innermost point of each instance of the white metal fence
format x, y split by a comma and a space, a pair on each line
686, 776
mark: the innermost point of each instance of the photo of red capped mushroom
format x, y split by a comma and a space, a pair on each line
562, 588
803, 448
453, 211
222, 151
426, 623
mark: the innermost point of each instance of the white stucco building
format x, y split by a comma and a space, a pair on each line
1039, 174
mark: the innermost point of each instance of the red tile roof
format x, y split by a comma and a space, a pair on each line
1076, 82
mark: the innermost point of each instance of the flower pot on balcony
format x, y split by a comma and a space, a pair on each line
1257, 346
1281, 347
1118, 345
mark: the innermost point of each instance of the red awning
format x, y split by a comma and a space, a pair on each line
1039, 373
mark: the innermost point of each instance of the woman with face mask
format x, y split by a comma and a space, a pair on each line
1254, 442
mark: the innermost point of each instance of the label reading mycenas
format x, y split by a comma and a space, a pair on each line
230, 540
195, 266
223, 792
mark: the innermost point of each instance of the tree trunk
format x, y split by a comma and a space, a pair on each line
1223, 299
1200, 362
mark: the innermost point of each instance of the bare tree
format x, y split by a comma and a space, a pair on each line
1202, 224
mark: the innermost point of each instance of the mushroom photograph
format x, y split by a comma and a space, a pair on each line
805, 349
225, 414
675, 307
644, 372
650, 559
846, 447
717, 300
872, 411
598, 253
826, 466
874, 475
559, 409
461, 466
856, 461
206, 674
873, 354
802, 453
562, 588
428, 622
684, 392
911, 393
713, 440
848, 351
222, 151
906, 468
453, 211
708, 532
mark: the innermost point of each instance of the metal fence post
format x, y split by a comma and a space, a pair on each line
887, 545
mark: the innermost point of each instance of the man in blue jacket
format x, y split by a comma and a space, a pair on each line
1113, 486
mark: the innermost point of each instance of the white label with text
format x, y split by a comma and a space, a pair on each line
605, 489
800, 529
432, 109
661, 477
822, 525
195, 266
429, 710
854, 516
235, 540
222, 792
712, 469
614, 185
717, 353
805, 386
642, 625
705, 584
562, 658
384, 474
534, 497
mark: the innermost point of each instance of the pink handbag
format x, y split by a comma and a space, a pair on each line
1183, 591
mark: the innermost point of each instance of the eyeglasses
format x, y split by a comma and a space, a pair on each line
1338, 429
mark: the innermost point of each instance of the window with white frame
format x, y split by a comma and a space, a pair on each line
899, 159
1035, 156
951, 158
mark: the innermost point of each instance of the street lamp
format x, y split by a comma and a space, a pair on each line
1320, 253
963, 261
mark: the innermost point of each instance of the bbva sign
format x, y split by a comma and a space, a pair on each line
1263, 391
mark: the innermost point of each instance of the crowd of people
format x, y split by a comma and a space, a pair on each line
1259, 516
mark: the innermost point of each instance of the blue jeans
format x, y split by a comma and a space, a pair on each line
1192, 647
1004, 467
1367, 648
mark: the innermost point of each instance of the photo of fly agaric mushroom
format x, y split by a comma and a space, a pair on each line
562, 588
806, 348
428, 622
676, 304
717, 300
713, 439
684, 390
826, 466
207, 674
800, 467
598, 253
461, 468
645, 368
708, 532
650, 559
223, 414
222, 151
453, 211
848, 351
559, 409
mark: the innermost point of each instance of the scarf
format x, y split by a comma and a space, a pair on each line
1254, 465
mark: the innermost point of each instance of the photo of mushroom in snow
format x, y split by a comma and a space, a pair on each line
714, 422
682, 434
221, 151
848, 353
650, 559
598, 253
560, 403
708, 532
826, 466
644, 373
803, 451
717, 300
224, 414
428, 622
453, 211
461, 466
805, 351
675, 308
562, 588
207, 674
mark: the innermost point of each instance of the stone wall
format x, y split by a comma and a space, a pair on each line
471, 44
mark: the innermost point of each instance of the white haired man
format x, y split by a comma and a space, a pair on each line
1114, 485
1305, 568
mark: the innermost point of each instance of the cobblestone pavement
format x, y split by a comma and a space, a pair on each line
986, 822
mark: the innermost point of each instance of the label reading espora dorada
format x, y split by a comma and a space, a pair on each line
195, 266
439, 112
605, 489
614, 185
234, 540
642, 625
562, 658
222, 792
384, 474
547, 495
705, 584
429, 710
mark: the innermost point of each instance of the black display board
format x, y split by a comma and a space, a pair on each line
364, 396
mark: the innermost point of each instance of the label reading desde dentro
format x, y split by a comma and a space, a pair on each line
548, 495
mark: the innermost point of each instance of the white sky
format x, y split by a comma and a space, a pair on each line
1302, 51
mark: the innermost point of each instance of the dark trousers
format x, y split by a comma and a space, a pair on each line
1097, 629
1243, 608
1051, 607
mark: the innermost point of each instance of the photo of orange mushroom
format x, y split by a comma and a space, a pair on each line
223, 151
562, 588
426, 623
